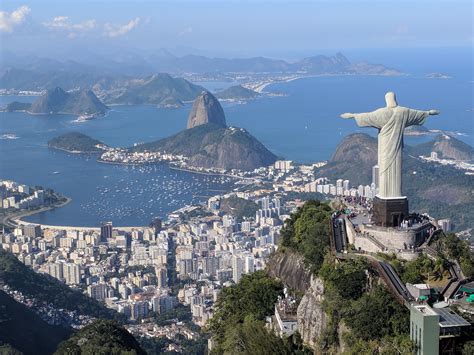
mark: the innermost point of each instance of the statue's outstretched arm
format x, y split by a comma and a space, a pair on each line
433, 112
368, 119
348, 115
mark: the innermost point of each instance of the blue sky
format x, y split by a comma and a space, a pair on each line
237, 28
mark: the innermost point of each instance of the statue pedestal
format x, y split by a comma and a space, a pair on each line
389, 212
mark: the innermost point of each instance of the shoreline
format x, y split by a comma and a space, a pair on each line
74, 151
209, 173
16, 218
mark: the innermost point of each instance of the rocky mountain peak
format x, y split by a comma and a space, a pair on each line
206, 109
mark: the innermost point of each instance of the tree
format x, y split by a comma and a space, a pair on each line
348, 278
255, 295
377, 315
307, 232
252, 338
101, 337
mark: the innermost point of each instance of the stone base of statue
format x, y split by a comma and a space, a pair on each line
389, 212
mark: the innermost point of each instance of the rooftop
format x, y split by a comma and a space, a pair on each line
425, 310
448, 318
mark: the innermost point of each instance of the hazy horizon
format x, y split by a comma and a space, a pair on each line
231, 29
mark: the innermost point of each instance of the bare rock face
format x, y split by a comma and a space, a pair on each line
290, 268
312, 320
206, 109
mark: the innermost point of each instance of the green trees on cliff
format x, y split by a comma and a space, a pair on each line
307, 232
240, 311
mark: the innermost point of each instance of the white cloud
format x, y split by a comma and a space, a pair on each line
62, 23
112, 30
10, 20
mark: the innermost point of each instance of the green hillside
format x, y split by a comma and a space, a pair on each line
25, 331
213, 146
101, 337
47, 289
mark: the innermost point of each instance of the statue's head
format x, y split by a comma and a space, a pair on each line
390, 99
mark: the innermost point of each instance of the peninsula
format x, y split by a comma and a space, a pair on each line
206, 143
76, 142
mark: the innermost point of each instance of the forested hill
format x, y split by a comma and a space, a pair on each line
46, 289
25, 331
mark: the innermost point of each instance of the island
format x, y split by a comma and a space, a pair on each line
83, 103
76, 142
438, 76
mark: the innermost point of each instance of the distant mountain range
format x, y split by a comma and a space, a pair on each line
72, 75
82, 102
442, 191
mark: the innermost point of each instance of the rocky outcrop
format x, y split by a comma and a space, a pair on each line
312, 319
209, 143
212, 146
206, 109
290, 268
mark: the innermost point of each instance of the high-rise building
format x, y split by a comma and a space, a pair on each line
56, 270
156, 224
32, 230
209, 265
249, 265
97, 291
246, 226
72, 273
163, 304
123, 241
237, 268
139, 309
105, 231
345, 185
161, 277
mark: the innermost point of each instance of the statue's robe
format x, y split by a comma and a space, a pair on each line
391, 121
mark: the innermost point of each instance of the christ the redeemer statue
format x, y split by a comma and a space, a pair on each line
390, 121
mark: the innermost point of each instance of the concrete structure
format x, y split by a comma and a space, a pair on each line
105, 231
395, 239
424, 330
434, 330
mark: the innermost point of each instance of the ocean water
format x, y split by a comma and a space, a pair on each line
303, 126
